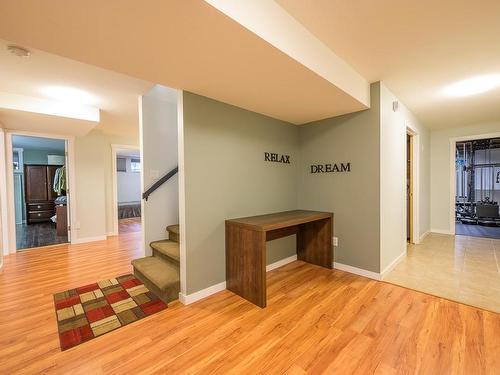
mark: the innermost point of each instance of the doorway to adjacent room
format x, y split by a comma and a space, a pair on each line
409, 188
127, 189
477, 187
40, 185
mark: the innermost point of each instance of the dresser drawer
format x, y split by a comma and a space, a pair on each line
40, 206
40, 215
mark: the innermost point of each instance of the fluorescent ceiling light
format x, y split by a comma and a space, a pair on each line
69, 95
49, 107
473, 86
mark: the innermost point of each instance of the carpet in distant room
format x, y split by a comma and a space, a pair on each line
93, 310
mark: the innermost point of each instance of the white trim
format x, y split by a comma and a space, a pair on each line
357, 271
393, 264
442, 231
142, 245
423, 236
115, 148
88, 239
3, 199
453, 142
10, 233
281, 263
204, 293
182, 194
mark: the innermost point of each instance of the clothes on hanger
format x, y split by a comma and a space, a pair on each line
60, 180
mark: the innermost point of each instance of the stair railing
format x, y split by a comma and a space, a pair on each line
160, 182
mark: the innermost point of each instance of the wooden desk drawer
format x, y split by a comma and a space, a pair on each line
41, 206
40, 215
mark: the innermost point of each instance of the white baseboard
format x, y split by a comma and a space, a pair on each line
281, 262
442, 231
88, 239
422, 237
393, 264
204, 293
357, 271
111, 234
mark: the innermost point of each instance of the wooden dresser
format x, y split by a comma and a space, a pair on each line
39, 193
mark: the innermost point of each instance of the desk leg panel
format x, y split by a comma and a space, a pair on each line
314, 243
246, 263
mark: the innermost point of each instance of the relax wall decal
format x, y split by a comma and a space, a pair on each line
331, 168
277, 158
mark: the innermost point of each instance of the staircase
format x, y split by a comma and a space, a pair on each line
160, 272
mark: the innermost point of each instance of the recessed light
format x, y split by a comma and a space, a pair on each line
473, 86
69, 94
18, 50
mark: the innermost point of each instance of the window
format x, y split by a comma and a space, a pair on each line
121, 165
135, 165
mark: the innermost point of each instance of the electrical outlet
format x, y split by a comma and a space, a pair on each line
335, 241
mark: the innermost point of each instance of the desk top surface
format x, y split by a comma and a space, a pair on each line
279, 219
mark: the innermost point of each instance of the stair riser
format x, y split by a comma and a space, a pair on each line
170, 295
173, 236
165, 257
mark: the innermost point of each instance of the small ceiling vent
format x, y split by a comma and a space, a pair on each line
18, 50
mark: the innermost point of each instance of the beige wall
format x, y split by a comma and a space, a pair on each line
440, 170
353, 197
159, 156
4, 248
393, 130
93, 178
226, 177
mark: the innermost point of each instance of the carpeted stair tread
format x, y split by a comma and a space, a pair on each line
173, 232
167, 248
162, 274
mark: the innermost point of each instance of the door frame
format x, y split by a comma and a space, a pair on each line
415, 156
453, 177
115, 149
10, 234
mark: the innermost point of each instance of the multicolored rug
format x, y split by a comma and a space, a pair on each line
93, 310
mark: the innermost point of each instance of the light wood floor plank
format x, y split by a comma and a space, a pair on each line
317, 321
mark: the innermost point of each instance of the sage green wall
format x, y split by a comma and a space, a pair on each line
226, 177
353, 197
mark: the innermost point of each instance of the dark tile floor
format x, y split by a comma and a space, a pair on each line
477, 230
38, 234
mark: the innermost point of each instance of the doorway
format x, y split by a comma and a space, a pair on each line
127, 168
40, 185
409, 188
477, 188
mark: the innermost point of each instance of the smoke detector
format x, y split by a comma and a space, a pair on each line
18, 50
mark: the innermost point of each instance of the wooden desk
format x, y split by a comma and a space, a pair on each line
246, 247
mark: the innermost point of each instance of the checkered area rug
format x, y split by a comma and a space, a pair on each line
93, 310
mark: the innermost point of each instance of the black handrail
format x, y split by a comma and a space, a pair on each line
160, 182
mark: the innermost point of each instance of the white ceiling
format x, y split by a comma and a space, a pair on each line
416, 48
115, 94
38, 143
188, 45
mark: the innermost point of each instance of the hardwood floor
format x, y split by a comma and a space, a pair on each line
37, 234
317, 321
129, 225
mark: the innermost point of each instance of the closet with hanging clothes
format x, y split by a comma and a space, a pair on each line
40, 194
